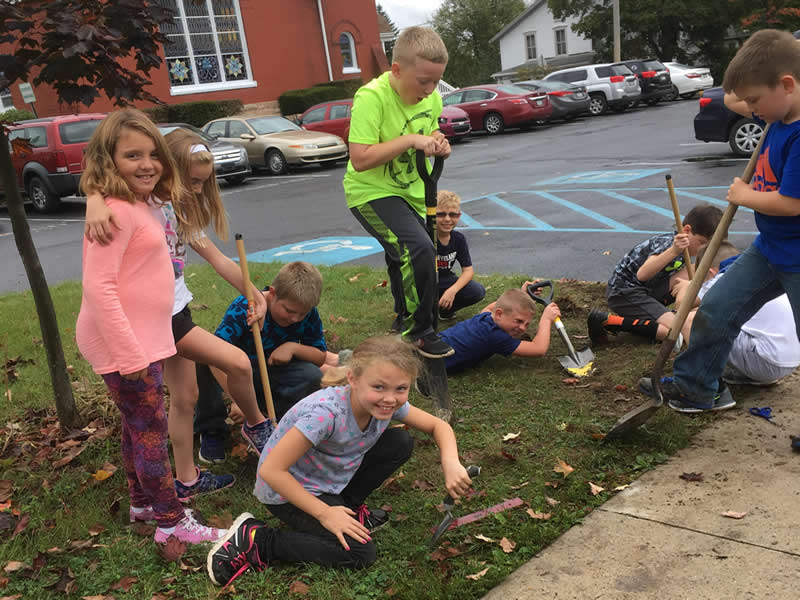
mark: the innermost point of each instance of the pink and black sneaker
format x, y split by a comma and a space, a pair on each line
236, 551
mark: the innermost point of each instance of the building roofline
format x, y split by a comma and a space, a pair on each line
536, 4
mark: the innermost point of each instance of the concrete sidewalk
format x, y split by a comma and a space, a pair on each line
665, 538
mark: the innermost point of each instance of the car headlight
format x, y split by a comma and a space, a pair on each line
304, 146
242, 153
442, 120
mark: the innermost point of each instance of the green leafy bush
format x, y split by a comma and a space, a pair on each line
195, 113
294, 102
14, 115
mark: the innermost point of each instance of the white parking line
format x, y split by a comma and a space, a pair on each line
700, 143
294, 177
35, 219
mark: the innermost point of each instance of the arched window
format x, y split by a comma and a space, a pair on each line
347, 47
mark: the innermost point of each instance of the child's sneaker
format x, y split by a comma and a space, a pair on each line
212, 449
142, 515
680, 402
345, 356
598, 334
432, 346
235, 552
372, 519
447, 315
188, 530
399, 324
258, 435
206, 483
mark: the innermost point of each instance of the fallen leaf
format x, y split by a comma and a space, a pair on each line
101, 597
6, 489
598, 436
562, 467
400, 517
14, 565
511, 436
595, 489
507, 545
569, 380
21, 525
381, 284
422, 485
552, 484
619, 488
390, 592
171, 550
691, 476
731, 514
223, 521
354, 278
143, 529
520, 486
607, 253
621, 387
68, 457
561, 427
240, 451
66, 582
507, 455
478, 575
551, 501
15, 596
102, 474
537, 515
387, 508
483, 538
392, 480
97, 529
126, 583
298, 587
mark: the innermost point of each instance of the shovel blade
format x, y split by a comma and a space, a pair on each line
584, 365
638, 416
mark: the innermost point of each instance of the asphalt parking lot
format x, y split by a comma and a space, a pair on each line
562, 200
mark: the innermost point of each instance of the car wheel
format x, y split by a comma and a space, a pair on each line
597, 104
236, 179
689, 95
652, 101
744, 137
276, 162
493, 123
673, 95
43, 200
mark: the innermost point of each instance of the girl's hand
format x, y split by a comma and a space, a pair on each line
456, 479
258, 310
340, 522
99, 221
135, 376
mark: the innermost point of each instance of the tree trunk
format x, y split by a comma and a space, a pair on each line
68, 414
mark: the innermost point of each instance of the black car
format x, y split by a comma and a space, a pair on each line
568, 100
654, 79
230, 162
717, 123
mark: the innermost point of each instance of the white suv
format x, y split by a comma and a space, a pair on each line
609, 86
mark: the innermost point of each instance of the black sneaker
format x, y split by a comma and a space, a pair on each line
212, 449
597, 331
399, 324
258, 435
432, 346
235, 552
680, 402
447, 315
372, 519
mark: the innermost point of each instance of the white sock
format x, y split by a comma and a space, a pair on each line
139, 510
167, 530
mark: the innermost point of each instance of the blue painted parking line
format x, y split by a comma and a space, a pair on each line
523, 214
320, 251
467, 221
656, 209
614, 225
602, 177
709, 199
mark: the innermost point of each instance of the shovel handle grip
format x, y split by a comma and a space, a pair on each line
535, 287
473, 471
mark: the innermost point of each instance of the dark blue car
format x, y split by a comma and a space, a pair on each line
716, 123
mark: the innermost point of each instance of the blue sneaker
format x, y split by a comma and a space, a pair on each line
680, 402
258, 435
206, 483
212, 449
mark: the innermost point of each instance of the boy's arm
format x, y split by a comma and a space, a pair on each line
656, 262
99, 220
735, 104
368, 156
767, 203
284, 353
541, 342
450, 293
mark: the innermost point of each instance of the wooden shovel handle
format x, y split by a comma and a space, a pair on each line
687, 259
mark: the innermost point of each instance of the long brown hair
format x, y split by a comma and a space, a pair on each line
195, 212
100, 174
388, 348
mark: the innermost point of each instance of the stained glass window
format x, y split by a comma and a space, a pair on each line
348, 49
205, 43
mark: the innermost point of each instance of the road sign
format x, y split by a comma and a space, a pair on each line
26, 89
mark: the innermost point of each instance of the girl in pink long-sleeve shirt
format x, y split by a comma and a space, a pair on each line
124, 325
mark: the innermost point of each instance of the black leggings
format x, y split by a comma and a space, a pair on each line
308, 541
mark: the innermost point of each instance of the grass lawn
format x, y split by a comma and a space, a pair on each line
63, 524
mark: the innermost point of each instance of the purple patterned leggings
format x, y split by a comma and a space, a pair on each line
144, 443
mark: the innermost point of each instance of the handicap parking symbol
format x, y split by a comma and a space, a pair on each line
320, 251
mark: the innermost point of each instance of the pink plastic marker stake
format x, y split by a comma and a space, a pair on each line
477, 516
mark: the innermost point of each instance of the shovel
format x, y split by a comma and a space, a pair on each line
449, 503
577, 364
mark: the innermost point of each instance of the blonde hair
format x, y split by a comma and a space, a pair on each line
725, 251
446, 198
388, 348
419, 42
512, 300
195, 212
101, 174
299, 282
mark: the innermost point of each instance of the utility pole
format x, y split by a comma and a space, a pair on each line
615, 12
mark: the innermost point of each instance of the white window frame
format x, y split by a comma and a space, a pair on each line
352, 42
555, 40
527, 36
6, 100
199, 88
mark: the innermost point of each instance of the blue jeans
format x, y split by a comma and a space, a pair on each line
747, 285
470, 294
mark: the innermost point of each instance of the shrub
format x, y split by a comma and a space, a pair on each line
194, 113
13, 115
294, 102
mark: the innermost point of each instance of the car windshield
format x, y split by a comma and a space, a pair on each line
620, 70
653, 65
165, 129
512, 89
265, 125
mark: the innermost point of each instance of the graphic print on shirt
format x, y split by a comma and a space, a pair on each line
446, 261
402, 169
764, 179
177, 249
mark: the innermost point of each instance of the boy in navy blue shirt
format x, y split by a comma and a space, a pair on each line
455, 291
497, 330
294, 347
765, 74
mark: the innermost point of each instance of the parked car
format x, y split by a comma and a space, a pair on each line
717, 123
230, 162
275, 143
334, 117
654, 79
569, 101
609, 86
51, 167
497, 106
687, 81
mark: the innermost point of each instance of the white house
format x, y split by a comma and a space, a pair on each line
534, 37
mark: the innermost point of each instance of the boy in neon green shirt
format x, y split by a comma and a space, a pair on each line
393, 116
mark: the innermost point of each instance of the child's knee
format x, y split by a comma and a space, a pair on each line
363, 555
184, 397
240, 367
401, 442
